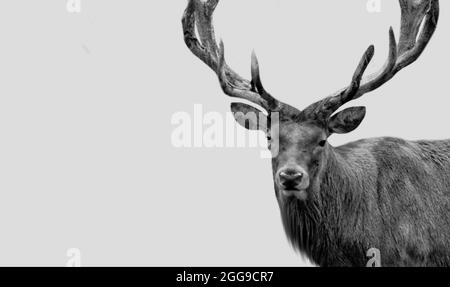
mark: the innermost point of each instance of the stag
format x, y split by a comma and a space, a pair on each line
338, 202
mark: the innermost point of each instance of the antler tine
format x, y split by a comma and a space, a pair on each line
328, 106
199, 15
414, 13
411, 47
258, 86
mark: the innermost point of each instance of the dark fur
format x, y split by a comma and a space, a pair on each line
383, 193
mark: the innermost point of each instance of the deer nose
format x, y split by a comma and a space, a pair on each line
290, 177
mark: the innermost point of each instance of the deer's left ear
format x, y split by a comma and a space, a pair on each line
347, 120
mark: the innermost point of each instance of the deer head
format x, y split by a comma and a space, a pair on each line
302, 144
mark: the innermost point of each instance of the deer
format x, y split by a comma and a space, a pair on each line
336, 203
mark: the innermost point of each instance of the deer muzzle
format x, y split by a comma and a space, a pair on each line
293, 181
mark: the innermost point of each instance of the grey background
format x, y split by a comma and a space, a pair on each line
86, 100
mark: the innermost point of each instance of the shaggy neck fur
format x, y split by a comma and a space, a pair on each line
315, 228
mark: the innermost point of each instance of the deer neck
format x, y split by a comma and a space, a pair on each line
338, 198
337, 188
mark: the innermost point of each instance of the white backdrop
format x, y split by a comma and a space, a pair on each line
86, 101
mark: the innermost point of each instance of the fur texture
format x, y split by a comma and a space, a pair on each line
383, 193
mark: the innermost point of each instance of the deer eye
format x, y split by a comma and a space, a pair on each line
322, 143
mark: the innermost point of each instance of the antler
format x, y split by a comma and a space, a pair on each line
407, 51
199, 14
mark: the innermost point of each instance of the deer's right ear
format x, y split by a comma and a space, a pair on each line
249, 117
347, 120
